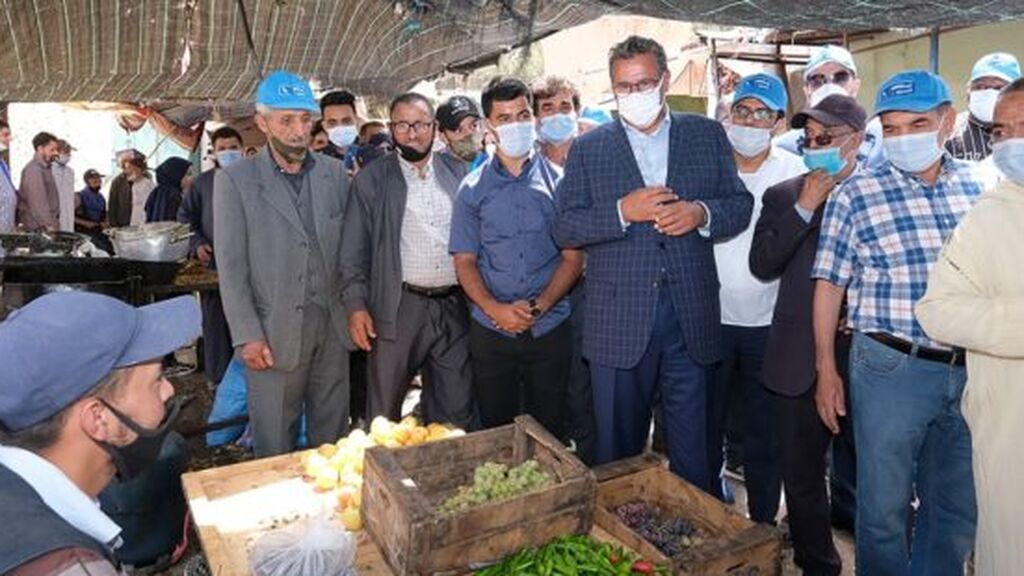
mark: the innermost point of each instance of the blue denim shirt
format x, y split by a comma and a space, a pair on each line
507, 222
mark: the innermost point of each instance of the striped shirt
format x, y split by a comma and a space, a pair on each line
973, 141
881, 233
426, 227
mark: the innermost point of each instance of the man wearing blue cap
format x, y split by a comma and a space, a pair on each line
277, 239
758, 113
881, 234
68, 427
832, 70
991, 73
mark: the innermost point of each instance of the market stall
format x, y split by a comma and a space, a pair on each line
410, 499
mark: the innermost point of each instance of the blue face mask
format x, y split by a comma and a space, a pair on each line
226, 158
516, 140
913, 153
1008, 156
827, 159
558, 128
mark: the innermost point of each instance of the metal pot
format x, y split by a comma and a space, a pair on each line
153, 242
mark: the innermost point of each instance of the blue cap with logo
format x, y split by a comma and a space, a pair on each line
912, 91
830, 53
283, 90
60, 346
764, 87
997, 65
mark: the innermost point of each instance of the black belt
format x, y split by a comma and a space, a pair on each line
952, 357
440, 292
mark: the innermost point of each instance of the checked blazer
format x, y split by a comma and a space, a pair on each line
627, 267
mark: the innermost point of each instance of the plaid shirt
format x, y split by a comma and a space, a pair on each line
881, 233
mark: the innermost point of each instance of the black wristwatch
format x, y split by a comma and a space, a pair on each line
534, 309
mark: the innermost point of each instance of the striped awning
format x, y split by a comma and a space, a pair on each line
202, 51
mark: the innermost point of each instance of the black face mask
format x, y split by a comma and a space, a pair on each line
293, 154
135, 458
410, 154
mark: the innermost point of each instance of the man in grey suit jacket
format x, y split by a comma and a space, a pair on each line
404, 303
277, 240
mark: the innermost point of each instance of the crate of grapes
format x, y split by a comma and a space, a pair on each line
669, 521
454, 505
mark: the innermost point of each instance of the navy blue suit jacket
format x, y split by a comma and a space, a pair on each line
625, 267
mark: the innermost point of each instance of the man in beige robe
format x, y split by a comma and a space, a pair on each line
975, 300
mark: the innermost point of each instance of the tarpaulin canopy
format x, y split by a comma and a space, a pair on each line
149, 51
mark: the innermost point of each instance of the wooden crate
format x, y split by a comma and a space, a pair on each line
402, 488
733, 546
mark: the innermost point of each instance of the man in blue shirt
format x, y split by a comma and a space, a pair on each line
512, 270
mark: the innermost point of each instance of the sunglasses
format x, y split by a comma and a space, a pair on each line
840, 78
822, 140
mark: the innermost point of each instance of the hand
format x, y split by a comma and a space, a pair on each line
829, 399
257, 356
360, 328
642, 204
205, 253
514, 317
678, 218
817, 186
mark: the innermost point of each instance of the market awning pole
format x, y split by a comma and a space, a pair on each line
933, 54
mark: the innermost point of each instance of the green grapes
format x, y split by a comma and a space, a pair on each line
493, 482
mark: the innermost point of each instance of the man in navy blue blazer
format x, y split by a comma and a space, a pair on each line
646, 197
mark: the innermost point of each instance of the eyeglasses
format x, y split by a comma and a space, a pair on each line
823, 140
757, 114
416, 127
840, 78
624, 88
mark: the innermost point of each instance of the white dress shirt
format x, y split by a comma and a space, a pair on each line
141, 190
426, 228
64, 178
746, 300
62, 495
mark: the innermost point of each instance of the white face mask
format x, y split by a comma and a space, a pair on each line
517, 139
641, 108
1008, 156
343, 136
982, 104
748, 141
63, 159
913, 153
824, 92
3, 147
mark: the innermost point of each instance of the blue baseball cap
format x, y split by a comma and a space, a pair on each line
283, 90
829, 53
60, 346
764, 87
912, 91
595, 115
997, 65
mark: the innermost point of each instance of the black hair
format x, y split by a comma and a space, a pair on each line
338, 98
368, 125
4, 125
504, 89
636, 46
410, 98
318, 127
223, 133
1015, 86
43, 139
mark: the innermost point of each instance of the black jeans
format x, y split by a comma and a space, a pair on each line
521, 374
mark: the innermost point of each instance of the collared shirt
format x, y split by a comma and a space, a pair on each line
141, 189
38, 202
973, 141
870, 156
8, 199
882, 232
64, 179
651, 151
62, 495
506, 221
302, 199
747, 300
426, 227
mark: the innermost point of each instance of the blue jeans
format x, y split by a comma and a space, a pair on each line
910, 436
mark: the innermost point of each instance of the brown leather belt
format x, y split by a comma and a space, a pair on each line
952, 357
440, 292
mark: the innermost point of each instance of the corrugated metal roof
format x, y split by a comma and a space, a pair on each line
153, 50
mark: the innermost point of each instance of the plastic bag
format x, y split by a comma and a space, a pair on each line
318, 545
229, 402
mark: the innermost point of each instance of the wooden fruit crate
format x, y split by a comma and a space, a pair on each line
402, 488
733, 545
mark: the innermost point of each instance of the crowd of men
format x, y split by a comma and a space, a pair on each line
836, 278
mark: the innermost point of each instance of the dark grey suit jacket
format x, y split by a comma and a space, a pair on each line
262, 250
371, 262
783, 247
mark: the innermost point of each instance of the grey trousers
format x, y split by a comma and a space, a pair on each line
319, 383
432, 339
